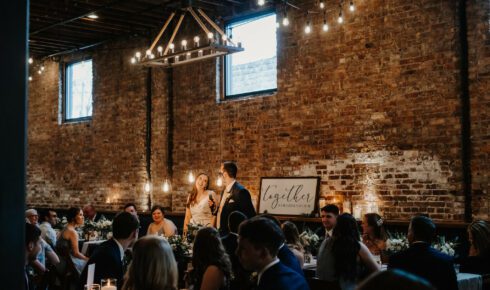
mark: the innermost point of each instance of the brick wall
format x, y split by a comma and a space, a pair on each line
372, 107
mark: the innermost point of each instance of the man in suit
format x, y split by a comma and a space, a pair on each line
109, 256
235, 197
90, 213
423, 260
329, 214
258, 244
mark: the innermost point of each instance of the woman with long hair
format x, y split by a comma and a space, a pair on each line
153, 266
478, 258
197, 210
67, 244
210, 262
291, 235
344, 258
373, 233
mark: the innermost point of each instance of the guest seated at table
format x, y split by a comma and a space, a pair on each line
160, 225
373, 233
67, 244
91, 214
258, 244
153, 266
109, 256
292, 241
32, 249
478, 260
241, 277
285, 255
144, 220
49, 219
343, 257
197, 209
210, 262
395, 279
423, 260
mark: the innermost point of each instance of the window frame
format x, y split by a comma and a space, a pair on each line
64, 85
226, 65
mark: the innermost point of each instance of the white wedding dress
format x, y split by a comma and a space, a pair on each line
200, 212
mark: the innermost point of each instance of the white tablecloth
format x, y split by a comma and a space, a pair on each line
468, 281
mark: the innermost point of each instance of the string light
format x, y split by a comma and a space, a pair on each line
351, 6
166, 186
147, 187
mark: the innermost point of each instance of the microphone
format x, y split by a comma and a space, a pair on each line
211, 197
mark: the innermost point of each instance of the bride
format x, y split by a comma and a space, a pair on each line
197, 208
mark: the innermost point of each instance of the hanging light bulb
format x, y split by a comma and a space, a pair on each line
151, 56
190, 177
166, 186
39, 71
307, 27
184, 44
219, 181
42, 68
31, 60
325, 26
285, 20
210, 35
172, 47
138, 55
133, 60
351, 6
160, 50
148, 52
30, 78
261, 2
340, 20
322, 4
196, 41
147, 186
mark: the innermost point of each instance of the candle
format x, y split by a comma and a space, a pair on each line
108, 284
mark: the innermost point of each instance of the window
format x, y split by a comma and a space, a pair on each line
78, 91
254, 70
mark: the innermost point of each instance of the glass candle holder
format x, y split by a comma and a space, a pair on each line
92, 287
108, 284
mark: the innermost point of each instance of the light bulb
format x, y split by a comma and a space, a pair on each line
352, 7
147, 187
93, 16
133, 60
138, 54
188, 55
39, 72
42, 68
148, 52
184, 44
322, 5
196, 41
307, 28
191, 177
340, 20
151, 56
166, 186
160, 50
31, 60
285, 21
325, 26
261, 2
30, 78
219, 181
210, 35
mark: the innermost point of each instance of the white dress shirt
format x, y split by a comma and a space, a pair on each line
226, 194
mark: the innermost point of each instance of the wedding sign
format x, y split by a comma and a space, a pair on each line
289, 195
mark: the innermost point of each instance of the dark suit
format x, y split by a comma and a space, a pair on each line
108, 264
241, 279
280, 277
240, 200
287, 257
424, 261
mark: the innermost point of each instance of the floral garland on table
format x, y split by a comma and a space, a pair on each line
398, 242
192, 230
309, 240
180, 247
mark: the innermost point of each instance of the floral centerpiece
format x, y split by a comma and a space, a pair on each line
180, 247
192, 230
398, 242
97, 230
309, 240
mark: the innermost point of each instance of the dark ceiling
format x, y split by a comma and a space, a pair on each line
60, 26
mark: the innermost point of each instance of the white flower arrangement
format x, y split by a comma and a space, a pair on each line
309, 240
399, 242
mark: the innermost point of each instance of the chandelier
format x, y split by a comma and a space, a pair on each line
170, 54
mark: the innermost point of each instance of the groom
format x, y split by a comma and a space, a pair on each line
235, 197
